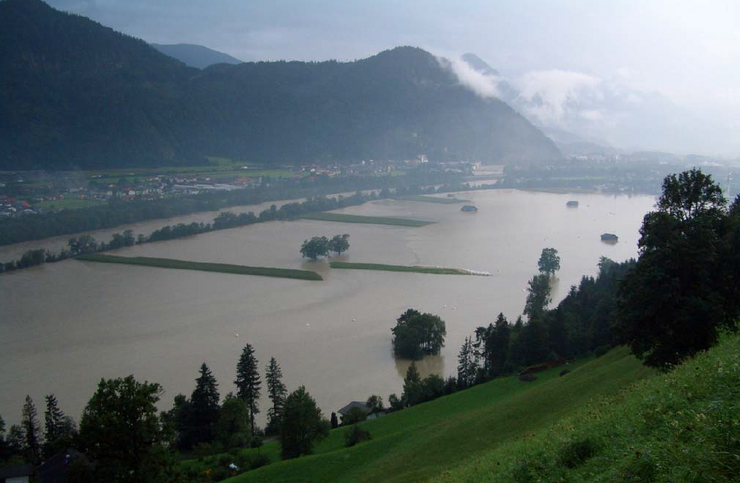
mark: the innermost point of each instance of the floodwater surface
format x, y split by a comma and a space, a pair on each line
66, 325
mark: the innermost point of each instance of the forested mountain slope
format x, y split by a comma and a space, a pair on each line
74, 93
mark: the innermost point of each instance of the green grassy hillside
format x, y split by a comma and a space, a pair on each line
679, 427
420, 443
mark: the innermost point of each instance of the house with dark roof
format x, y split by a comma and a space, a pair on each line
57, 469
16, 473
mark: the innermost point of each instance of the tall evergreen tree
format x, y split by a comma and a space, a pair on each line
205, 405
4, 449
499, 345
538, 296
31, 431
16, 440
54, 427
466, 367
277, 391
248, 381
412, 386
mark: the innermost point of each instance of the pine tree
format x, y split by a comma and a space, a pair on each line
277, 391
248, 381
4, 449
412, 386
499, 345
54, 427
205, 403
31, 431
467, 367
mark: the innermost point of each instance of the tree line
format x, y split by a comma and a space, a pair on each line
118, 212
225, 220
125, 439
320, 246
88, 244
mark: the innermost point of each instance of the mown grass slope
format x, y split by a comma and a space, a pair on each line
683, 426
419, 443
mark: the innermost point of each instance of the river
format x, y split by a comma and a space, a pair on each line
66, 325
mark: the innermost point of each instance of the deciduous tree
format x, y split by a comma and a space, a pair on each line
549, 262
301, 424
122, 432
675, 301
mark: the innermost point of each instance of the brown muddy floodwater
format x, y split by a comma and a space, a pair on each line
66, 325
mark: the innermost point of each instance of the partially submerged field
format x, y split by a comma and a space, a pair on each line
203, 267
422, 442
401, 268
373, 220
433, 199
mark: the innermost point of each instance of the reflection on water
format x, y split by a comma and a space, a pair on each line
66, 325
426, 366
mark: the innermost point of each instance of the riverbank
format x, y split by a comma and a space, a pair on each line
372, 220
203, 267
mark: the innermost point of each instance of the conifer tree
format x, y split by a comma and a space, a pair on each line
466, 368
205, 404
248, 381
31, 431
277, 391
55, 425
412, 386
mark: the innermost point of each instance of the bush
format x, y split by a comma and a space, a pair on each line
219, 473
577, 452
601, 350
356, 435
257, 441
259, 461
529, 377
564, 372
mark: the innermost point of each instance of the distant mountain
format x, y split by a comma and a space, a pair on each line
74, 93
196, 56
575, 108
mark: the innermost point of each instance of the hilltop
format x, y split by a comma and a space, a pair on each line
74, 93
197, 56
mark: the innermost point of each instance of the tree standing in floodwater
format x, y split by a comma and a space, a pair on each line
549, 262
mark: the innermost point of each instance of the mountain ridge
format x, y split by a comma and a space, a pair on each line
197, 56
116, 101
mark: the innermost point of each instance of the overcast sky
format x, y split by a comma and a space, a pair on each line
687, 50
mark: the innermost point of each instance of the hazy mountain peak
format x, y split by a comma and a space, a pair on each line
479, 64
197, 56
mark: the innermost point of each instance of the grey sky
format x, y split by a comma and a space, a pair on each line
687, 50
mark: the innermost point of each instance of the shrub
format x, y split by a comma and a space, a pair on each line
577, 452
601, 350
356, 435
257, 441
259, 461
564, 372
640, 468
529, 377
